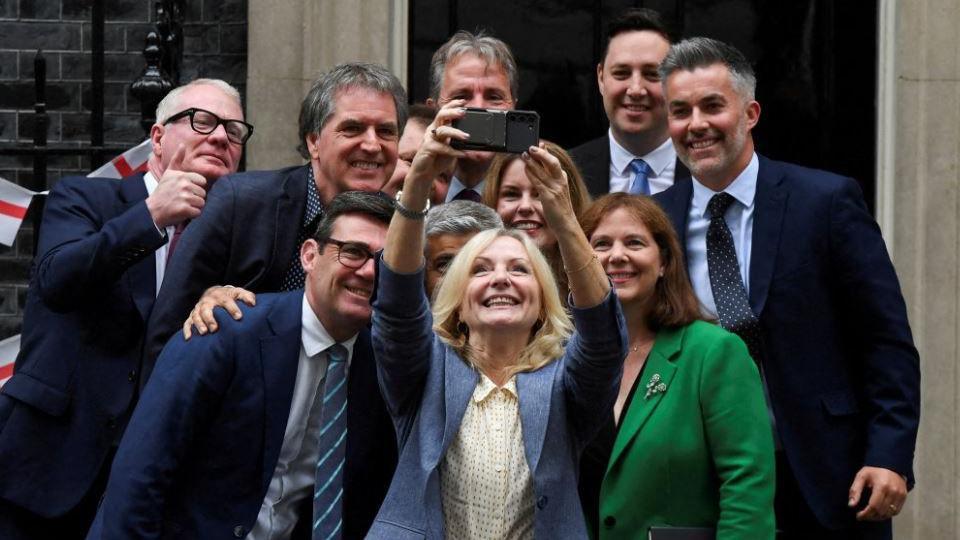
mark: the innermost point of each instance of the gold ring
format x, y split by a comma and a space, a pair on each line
892, 507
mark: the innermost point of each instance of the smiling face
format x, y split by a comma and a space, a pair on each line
518, 204
631, 89
357, 148
629, 255
211, 155
710, 124
340, 296
502, 292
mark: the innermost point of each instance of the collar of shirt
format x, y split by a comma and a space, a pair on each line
659, 159
315, 338
743, 189
456, 186
150, 182
486, 387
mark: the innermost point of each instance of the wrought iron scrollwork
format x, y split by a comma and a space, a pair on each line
163, 51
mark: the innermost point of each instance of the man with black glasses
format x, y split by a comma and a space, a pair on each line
256, 431
253, 223
102, 253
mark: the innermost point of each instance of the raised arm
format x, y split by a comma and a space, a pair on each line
588, 282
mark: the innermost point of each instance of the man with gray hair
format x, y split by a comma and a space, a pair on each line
447, 228
253, 223
480, 70
789, 259
102, 252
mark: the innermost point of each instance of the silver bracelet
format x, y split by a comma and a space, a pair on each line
406, 212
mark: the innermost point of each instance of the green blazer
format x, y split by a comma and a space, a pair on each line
695, 447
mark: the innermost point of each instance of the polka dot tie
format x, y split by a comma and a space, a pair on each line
641, 171
294, 279
726, 282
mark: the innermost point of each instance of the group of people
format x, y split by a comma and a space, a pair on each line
399, 339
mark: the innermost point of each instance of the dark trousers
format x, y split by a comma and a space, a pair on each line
19, 524
796, 521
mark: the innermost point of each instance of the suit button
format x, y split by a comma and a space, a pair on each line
541, 502
239, 531
609, 522
132, 376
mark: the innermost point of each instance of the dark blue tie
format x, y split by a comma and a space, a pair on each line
726, 282
468, 194
328, 489
295, 278
640, 184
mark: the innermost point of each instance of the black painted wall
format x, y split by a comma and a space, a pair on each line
215, 45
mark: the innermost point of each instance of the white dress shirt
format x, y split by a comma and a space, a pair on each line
294, 475
160, 255
456, 186
739, 218
662, 161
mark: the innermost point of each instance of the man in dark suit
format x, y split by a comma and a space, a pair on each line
479, 69
790, 259
253, 224
636, 155
101, 256
234, 429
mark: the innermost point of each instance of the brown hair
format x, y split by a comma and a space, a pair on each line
579, 195
674, 303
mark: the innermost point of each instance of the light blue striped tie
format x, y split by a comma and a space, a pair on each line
640, 184
328, 490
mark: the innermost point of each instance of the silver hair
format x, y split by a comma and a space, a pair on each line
170, 104
460, 217
320, 103
698, 52
487, 47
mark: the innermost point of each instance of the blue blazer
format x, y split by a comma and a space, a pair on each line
839, 359
427, 387
203, 443
245, 236
91, 291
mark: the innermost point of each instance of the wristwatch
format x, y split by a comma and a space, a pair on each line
406, 212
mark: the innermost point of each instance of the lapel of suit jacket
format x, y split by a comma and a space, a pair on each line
142, 276
659, 362
534, 390
770, 201
279, 358
676, 203
459, 381
290, 209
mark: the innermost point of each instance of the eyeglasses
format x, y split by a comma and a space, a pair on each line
204, 122
350, 254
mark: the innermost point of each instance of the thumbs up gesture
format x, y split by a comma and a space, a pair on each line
179, 196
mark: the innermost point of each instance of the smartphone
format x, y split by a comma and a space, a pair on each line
497, 130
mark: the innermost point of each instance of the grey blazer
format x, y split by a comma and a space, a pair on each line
426, 386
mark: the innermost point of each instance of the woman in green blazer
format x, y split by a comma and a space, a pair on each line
690, 444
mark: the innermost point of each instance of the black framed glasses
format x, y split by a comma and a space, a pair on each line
204, 122
350, 254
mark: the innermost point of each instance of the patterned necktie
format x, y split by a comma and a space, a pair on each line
328, 489
175, 239
295, 278
640, 184
726, 282
467, 194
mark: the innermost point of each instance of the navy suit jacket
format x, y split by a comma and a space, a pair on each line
839, 358
245, 236
203, 443
91, 291
593, 160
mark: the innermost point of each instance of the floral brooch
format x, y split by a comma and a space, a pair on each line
655, 386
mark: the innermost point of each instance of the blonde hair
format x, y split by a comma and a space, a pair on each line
548, 335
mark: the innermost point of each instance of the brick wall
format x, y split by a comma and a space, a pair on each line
215, 45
